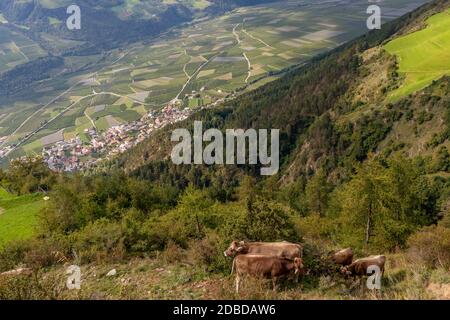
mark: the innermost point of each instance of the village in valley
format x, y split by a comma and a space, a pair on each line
74, 155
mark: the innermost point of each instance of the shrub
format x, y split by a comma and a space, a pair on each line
13, 255
45, 252
37, 253
269, 221
31, 287
208, 253
173, 253
431, 246
99, 241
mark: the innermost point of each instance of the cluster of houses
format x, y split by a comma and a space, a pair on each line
77, 155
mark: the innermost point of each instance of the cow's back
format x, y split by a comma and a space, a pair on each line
343, 257
277, 249
361, 265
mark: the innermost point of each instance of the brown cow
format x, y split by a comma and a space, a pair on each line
261, 266
278, 249
343, 257
359, 267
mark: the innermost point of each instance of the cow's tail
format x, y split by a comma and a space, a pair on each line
232, 266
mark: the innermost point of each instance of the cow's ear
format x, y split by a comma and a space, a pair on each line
240, 249
241, 243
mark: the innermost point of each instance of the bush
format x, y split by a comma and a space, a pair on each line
208, 254
13, 255
45, 252
173, 253
99, 241
431, 246
269, 221
31, 287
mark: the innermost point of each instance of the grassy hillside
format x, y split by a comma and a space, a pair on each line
424, 55
160, 279
18, 216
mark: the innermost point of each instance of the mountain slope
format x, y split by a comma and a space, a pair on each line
332, 113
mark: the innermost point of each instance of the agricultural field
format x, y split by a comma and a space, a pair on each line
15, 48
18, 216
193, 65
424, 55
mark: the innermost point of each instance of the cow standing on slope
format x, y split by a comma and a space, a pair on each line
343, 257
360, 267
262, 266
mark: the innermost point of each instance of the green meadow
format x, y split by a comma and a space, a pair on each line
424, 55
18, 216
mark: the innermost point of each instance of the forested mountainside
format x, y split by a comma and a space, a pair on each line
103, 22
332, 112
362, 166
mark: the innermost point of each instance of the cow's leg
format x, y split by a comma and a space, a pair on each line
274, 283
238, 280
362, 285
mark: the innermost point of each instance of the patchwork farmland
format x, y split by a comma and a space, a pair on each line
15, 48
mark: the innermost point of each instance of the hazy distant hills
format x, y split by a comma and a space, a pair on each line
104, 22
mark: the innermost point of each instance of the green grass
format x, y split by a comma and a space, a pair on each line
3, 19
54, 21
18, 216
423, 56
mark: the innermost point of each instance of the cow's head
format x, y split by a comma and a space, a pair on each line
298, 265
235, 248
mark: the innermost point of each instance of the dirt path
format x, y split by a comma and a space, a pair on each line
258, 39
236, 35
185, 65
90, 119
194, 74
249, 68
238, 39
